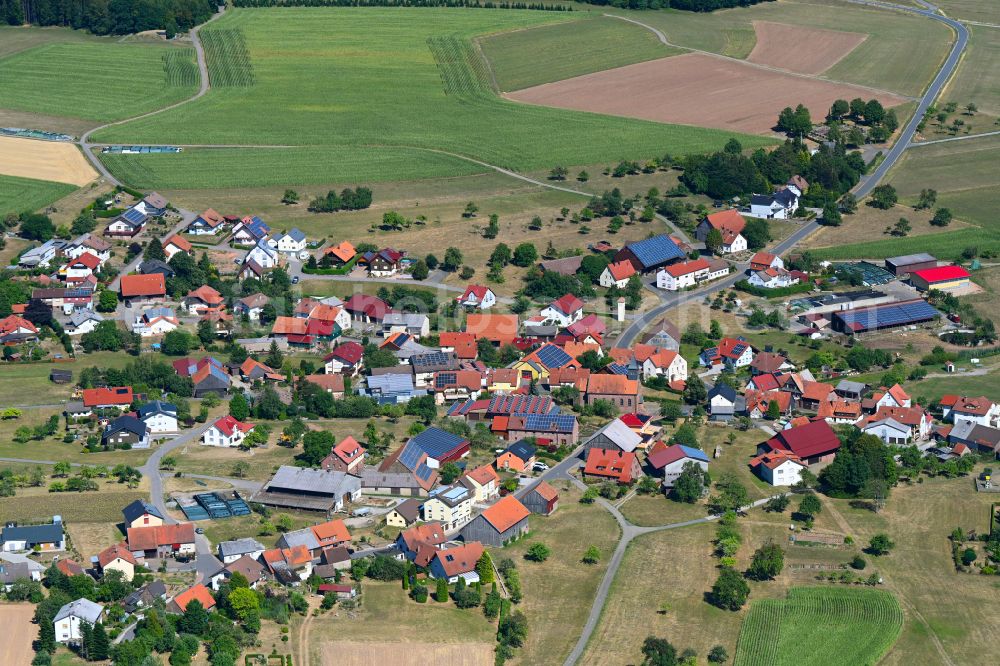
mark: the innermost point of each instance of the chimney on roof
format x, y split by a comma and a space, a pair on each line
621, 308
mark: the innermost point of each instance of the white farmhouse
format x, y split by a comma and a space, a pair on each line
69, 621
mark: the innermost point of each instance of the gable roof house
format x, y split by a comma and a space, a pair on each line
483, 482
159, 416
248, 566
976, 436
345, 359
894, 396
207, 374
730, 224
155, 321
230, 551
68, 622
366, 309
769, 363
142, 288
128, 224
289, 566
125, 432
161, 540
249, 230
541, 498
724, 403
980, 410
615, 435
383, 263
613, 464
914, 420
665, 335
779, 468
202, 300
813, 443
780, 205
764, 260
316, 538
457, 562
564, 311
141, 514
419, 543
251, 306
440, 445
517, 457
117, 558
175, 244
206, 224
145, 596
105, 398
346, 456
263, 254
670, 462
732, 352
499, 524
617, 274
392, 388
198, 593
341, 253
500, 329
554, 429
291, 242
45, 537
403, 514
478, 297
404, 472
411, 323
226, 432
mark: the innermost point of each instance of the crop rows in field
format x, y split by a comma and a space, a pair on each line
820, 625
21, 194
463, 71
180, 68
228, 58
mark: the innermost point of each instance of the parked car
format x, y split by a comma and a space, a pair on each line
295, 279
539, 467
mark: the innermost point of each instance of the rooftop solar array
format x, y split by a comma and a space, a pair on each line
410, 457
445, 379
655, 250
436, 443
549, 422
887, 316
423, 472
520, 404
133, 216
553, 357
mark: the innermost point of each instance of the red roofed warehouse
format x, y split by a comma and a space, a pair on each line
815, 442
942, 278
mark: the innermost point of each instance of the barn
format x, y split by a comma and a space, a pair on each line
499, 524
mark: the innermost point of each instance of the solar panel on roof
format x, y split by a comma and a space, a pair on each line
444, 379
655, 250
423, 472
133, 216
558, 422
410, 456
896, 314
553, 357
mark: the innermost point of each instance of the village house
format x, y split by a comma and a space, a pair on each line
198, 593
155, 321
206, 224
141, 514
382, 263
483, 482
979, 410
340, 254
251, 306
125, 432
208, 375
840, 412
142, 288
44, 537
614, 435
894, 396
230, 551
15, 329
289, 566
451, 506
612, 464
518, 457
161, 540
419, 543
128, 224
347, 456
203, 299
148, 595
617, 274
68, 622
403, 514
724, 403
176, 244
665, 335
317, 538
772, 278
764, 260
649, 254
264, 255
226, 432
457, 562
79, 268
366, 309
976, 436
41, 256
499, 524
730, 224
117, 397
249, 230
779, 205
414, 324
908, 424
564, 311
733, 353
345, 359
477, 297
247, 566
670, 462
769, 363
779, 468
550, 429
117, 558
291, 242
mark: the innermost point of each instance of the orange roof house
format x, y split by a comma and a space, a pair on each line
289, 326
617, 465
331, 533
194, 593
497, 328
343, 252
118, 396
179, 242
143, 286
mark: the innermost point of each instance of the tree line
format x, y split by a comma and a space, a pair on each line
686, 5
118, 17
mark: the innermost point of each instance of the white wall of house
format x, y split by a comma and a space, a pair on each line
786, 474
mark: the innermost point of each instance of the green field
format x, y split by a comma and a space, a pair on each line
21, 194
200, 168
103, 506
970, 10
391, 78
978, 77
568, 50
820, 625
885, 60
947, 245
96, 81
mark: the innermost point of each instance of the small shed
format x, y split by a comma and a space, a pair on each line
57, 376
542, 499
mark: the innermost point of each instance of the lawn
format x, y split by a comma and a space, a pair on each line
96, 81
397, 77
28, 384
813, 623
885, 60
103, 506
21, 194
526, 58
555, 627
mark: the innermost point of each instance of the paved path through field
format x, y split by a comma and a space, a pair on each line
917, 144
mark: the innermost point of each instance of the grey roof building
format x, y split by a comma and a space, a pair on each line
84, 609
310, 489
25, 537
237, 548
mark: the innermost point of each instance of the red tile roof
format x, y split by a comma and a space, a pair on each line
333, 383
12, 323
459, 559
774, 459
730, 220
206, 294
150, 538
119, 551
500, 328
348, 352
180, 242
348, 450
621, 270
196, 592
687, 267
344, 251
568, 304
545, 491
612, 385
118, 395
615, 464
143, 285
334, 531
86, 259
506, 513
813, 439
227, 425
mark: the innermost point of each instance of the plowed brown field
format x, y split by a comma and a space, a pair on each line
696, 89
799, 49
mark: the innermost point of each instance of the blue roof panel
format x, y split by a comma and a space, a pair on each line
656, 250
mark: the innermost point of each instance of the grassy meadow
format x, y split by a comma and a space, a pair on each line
415, 82
977, 78
568, 50
21, 194
97, 81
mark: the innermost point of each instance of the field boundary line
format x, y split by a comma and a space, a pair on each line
917, 144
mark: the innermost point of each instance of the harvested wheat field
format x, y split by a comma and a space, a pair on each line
44, 160
801, 49
696, 89
19, 632
408, 654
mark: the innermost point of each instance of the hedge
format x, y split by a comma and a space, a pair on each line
799, 288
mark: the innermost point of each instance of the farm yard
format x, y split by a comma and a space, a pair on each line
696, 89
98, 77
568, 49
451, 105
20, 194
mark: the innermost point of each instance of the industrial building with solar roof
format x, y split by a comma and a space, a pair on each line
881, 317
650, 254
